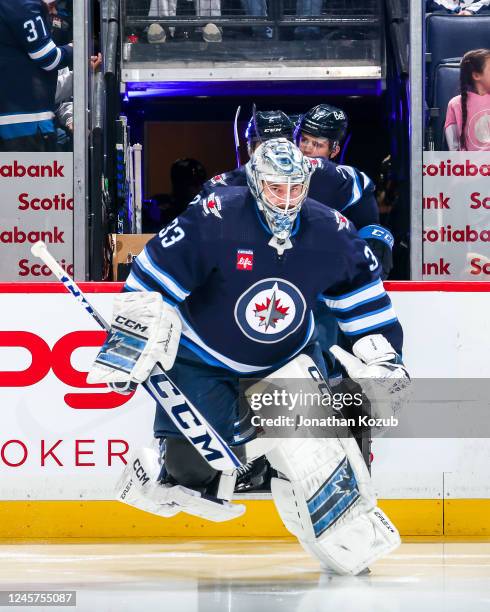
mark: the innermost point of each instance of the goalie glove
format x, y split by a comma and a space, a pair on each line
144, 330
377, 367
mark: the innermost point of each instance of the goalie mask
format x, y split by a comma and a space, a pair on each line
278, 175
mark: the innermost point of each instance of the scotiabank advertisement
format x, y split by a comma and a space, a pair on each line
456, 203
37, 204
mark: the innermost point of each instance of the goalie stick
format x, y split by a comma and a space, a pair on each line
237, 138
186, 417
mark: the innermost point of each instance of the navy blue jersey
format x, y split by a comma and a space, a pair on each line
243, 306
29, 63
341, 187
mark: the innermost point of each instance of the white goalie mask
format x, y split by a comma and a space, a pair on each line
278, 175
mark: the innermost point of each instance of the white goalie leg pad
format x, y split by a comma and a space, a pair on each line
325, 497
139, 488
144, 330
327, 501
138, 484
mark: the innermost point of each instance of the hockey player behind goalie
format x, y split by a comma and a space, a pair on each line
226, 291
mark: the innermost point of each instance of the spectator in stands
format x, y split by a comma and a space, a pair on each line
64, 104
308, 8
61, 21
187, 177
458, 7
64, 110
467, 125
168, 8
29, 64
257, 8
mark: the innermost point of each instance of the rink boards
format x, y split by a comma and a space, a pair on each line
63, 444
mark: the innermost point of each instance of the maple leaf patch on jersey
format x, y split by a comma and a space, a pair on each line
316, 162
219, 179
343, 222
270, 310
212, 206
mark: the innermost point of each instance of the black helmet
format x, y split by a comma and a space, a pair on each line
324, 121
265, 125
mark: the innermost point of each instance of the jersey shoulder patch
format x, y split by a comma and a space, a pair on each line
317, 162
219, 179
342, 222
210, 205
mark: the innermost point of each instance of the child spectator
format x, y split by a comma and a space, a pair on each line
467, 126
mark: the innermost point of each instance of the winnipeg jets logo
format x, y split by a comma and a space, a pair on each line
219, 179
478, 130
316, 162
270, 310
342, 221
212, 206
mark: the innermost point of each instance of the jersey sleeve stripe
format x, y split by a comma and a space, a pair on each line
382, 326
356, 186
351, 300
366, 180
56, 61
41, 53
25, 117
356, 191
149, 280
145, 260
359, 325
135, 284
375, 298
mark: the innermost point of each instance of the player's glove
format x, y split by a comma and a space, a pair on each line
377, 367
380, 241
144, 330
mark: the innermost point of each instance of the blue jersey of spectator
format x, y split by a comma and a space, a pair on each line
29, 64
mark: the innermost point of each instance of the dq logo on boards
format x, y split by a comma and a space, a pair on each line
58, 359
